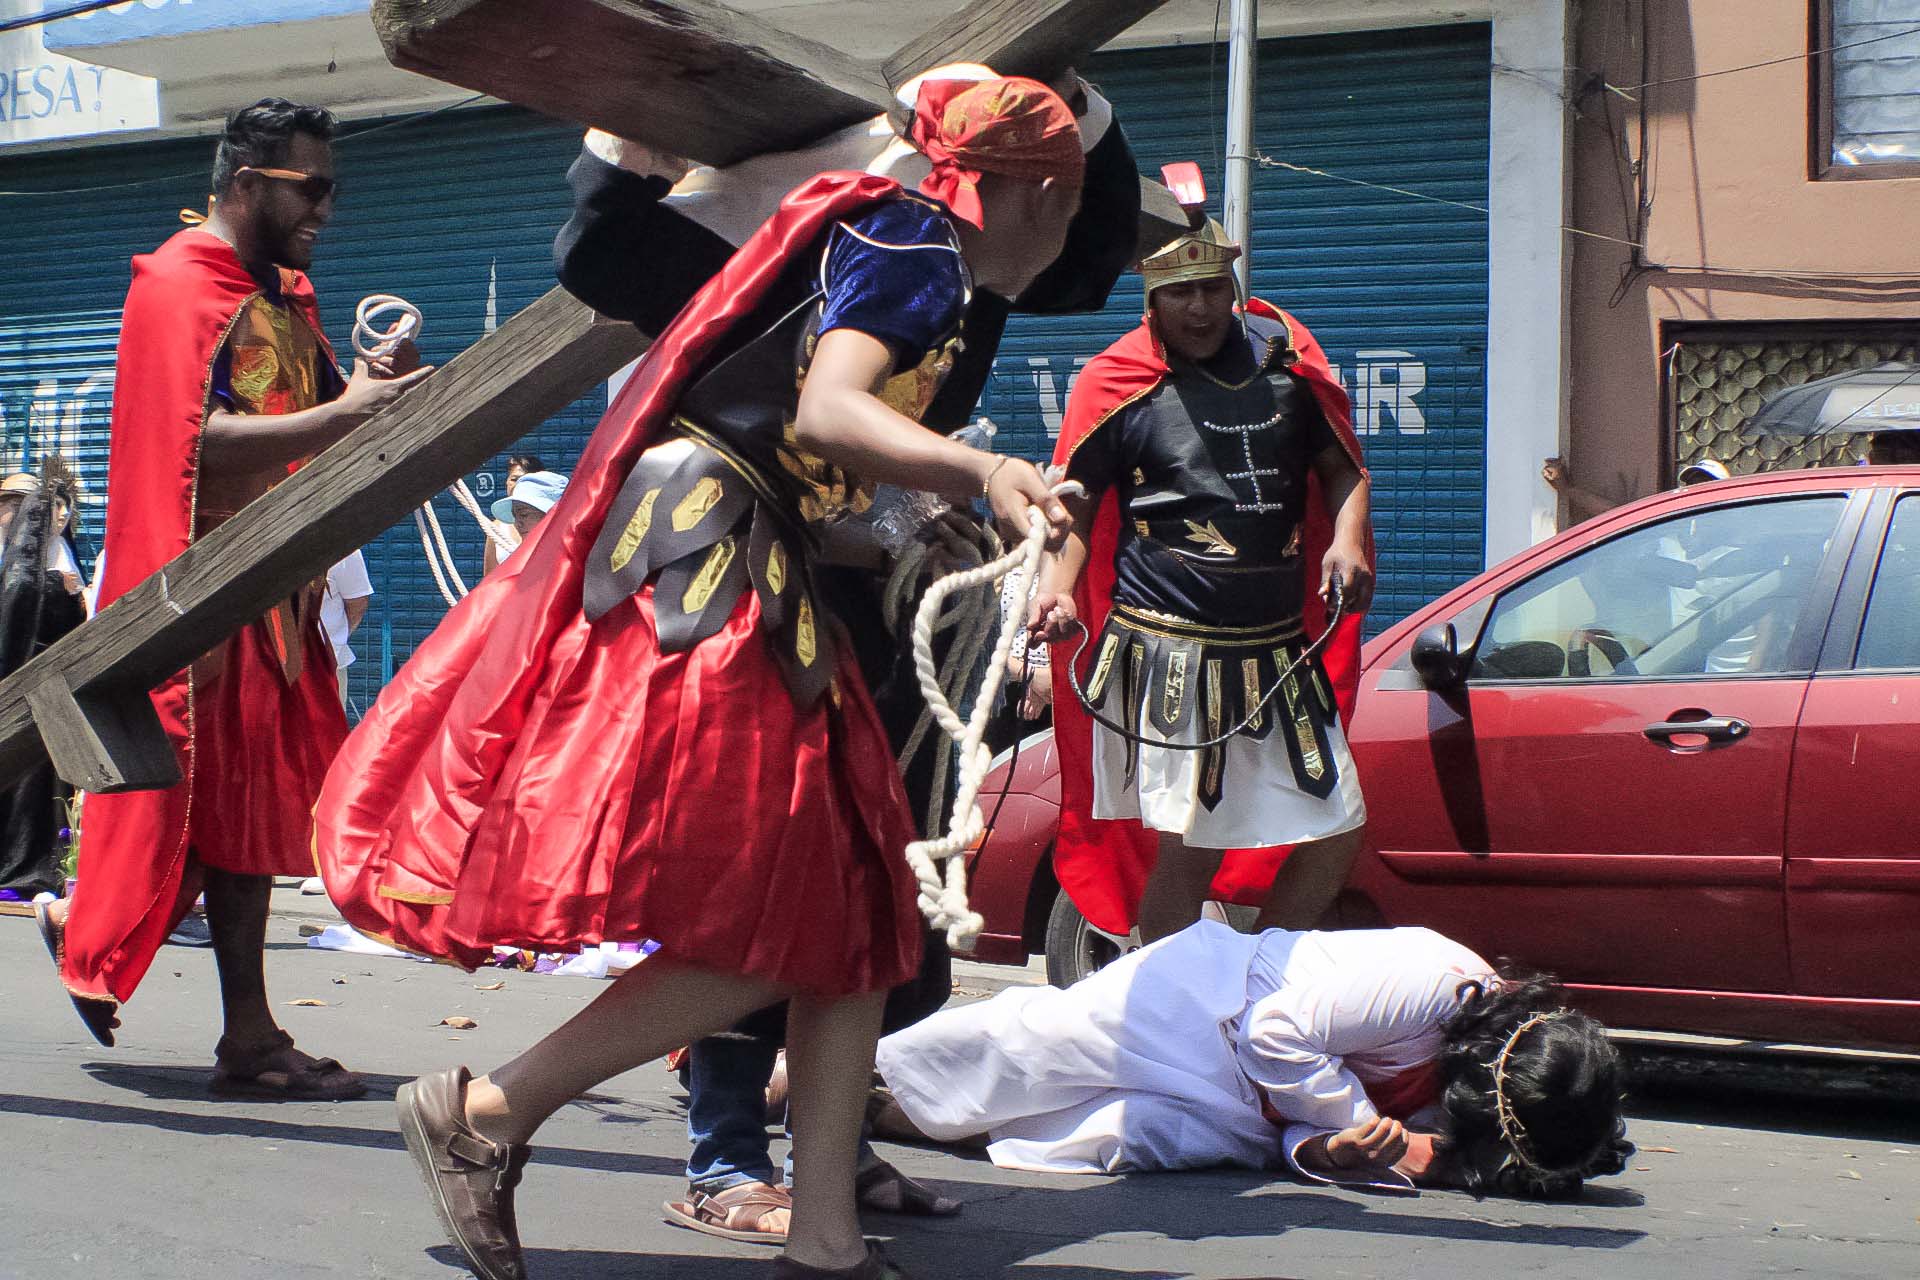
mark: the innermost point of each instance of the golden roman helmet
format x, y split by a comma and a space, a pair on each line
1204, 253
1201, 253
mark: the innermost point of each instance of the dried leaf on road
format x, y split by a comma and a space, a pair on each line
490, 986
309, 1003
1848, 1174
1664, 1151
459, 1023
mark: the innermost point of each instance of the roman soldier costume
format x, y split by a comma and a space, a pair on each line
1196, 594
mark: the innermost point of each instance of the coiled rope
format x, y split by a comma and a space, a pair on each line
943, 889
372, 341
963, 616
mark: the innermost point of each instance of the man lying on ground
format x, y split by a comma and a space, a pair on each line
1390, 1058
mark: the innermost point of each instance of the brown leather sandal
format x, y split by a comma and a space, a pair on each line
737, 1213
884, 1189
278, 1072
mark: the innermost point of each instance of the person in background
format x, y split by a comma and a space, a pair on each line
522, 464
224, 383
40, 601
1584, 504
531, 496
348, 595
519, 466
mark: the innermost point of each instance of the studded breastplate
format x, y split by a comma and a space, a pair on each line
1212, 508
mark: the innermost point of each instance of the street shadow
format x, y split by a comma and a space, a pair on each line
595, 1264
226, 1123
1191, 1206
189, 1084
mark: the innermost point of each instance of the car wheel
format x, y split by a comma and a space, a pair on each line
1075, 948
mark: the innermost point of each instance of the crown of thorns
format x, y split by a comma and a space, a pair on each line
1511, 1129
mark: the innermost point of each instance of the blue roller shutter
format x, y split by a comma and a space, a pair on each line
1394, 288
455, 212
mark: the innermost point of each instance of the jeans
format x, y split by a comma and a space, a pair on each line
727, 1111
727, 1115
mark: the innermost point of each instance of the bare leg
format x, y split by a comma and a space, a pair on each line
654, 1007
1309, 880
237, 919
1177, 887
830, 1069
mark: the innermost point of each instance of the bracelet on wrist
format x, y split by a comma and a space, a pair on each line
986, 485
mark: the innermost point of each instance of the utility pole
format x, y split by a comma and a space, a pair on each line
1242, 38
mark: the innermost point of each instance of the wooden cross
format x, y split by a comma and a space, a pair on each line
691, 77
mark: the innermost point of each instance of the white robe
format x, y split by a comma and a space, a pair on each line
1159, 1060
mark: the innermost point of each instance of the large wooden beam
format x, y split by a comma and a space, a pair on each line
1038, 38
698, 79
88, 689
691, 77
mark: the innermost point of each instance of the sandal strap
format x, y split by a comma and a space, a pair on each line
748, 1202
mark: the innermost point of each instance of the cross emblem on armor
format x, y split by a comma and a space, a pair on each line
1252, 474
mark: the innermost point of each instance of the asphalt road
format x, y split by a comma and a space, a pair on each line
113, 1163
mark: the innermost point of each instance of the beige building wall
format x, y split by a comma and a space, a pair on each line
1735, 225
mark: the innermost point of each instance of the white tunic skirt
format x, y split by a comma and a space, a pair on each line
1261, 804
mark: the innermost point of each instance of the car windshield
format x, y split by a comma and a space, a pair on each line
1718, 591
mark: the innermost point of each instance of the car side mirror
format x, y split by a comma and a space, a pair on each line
1437, 659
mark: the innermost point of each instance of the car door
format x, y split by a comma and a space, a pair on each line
1613, 771
1853, 830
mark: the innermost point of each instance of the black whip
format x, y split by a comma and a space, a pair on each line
1336, 609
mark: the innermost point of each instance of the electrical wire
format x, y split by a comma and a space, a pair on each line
1768, 62
1268, 162
38, 19
415, 118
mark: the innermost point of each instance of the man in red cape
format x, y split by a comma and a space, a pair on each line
1107, 865
224, 383
648, 723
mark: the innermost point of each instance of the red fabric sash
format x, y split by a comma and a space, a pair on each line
1400, 1096
134, 881
1103, 865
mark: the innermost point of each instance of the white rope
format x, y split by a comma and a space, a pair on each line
943, 897
433, 558
372, 343
963, 613
488, 525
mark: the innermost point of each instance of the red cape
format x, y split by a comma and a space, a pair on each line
407, 793
134, 882
1103, 865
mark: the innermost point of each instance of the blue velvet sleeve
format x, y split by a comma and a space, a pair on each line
893, 274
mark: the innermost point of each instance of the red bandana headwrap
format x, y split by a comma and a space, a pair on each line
1014, 126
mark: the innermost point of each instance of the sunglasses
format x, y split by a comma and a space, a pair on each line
314, 187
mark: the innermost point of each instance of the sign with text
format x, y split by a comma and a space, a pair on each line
46, 96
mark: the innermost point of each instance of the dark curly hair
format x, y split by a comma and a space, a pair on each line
259, 135
1563, 1083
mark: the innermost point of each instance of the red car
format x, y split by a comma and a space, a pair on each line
1664, 755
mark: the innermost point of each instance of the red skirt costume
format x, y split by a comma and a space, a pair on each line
1104, 864
256, 722
535, 779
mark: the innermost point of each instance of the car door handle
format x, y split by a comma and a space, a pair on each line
1713, 729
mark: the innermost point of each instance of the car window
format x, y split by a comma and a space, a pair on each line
1891, 636
1714, 592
